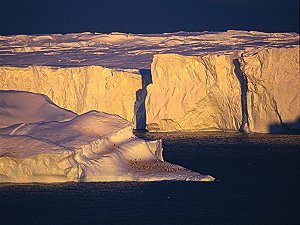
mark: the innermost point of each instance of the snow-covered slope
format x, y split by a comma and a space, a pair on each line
22, 107
94, 146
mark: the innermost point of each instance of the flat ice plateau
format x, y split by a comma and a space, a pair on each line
44, 143
131, 51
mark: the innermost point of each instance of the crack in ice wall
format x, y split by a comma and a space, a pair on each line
244, 89
139, 105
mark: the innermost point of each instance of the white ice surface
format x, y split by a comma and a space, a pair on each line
121, 50
24, 107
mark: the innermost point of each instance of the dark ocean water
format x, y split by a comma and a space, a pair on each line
257, 182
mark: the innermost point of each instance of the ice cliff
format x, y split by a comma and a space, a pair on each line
273, 96
257, 91
193, 93
48, 144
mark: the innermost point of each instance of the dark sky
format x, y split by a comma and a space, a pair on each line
146, 16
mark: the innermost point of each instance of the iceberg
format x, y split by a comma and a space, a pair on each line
47, 144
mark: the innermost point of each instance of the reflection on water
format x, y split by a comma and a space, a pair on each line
257, 183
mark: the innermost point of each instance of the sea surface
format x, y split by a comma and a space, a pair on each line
257, 182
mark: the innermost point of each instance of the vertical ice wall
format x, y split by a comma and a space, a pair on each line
193, 93
257, 93
273, 89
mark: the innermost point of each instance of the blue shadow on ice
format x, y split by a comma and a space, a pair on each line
286, 127
139, 105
